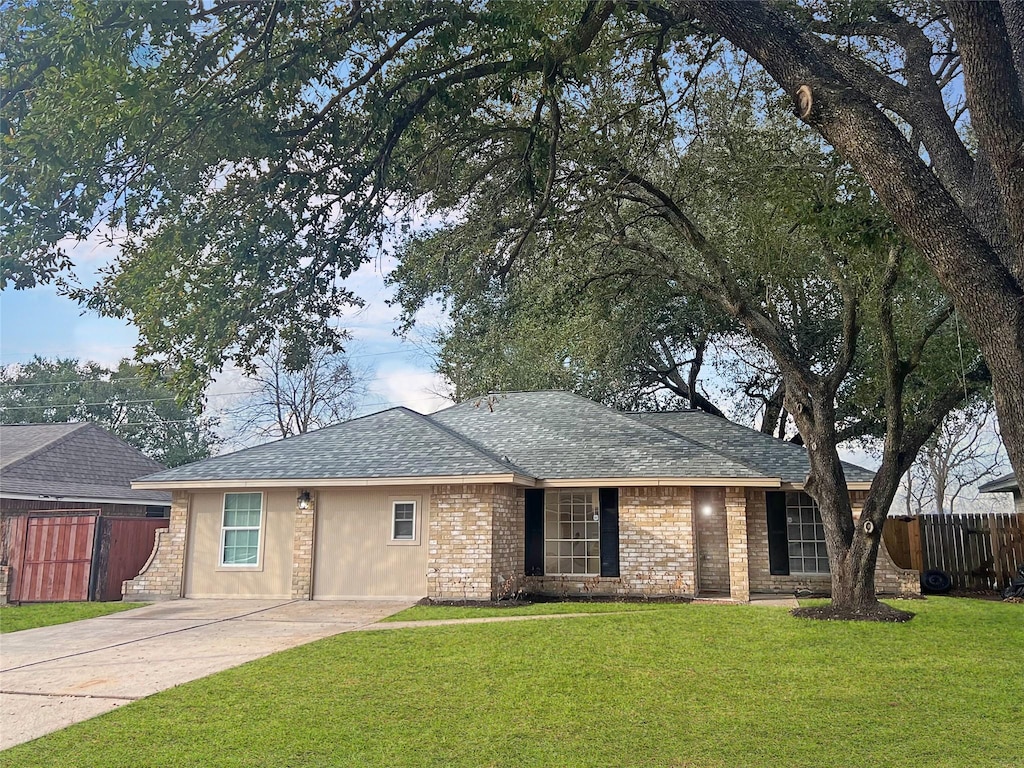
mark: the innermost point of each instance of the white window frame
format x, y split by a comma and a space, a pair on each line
803, 514
554, 500
393, 503
258, 565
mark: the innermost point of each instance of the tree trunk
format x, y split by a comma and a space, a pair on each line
984, 290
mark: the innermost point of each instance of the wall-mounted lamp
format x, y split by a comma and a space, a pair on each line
304, 501
707, 510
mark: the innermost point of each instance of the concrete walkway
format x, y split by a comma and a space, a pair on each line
55, 676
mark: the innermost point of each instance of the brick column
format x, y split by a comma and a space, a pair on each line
736, 520
460, 542
162, 577
302, 551
5, 583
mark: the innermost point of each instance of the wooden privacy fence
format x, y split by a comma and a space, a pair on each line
74, 555
976, 551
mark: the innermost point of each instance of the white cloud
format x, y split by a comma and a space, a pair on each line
414, 388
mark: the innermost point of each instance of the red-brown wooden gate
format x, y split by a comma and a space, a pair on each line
57, 564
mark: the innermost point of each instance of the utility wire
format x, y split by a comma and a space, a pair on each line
115, 402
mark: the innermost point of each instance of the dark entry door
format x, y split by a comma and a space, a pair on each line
58, 558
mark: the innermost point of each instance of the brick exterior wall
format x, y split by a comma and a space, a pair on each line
736, 519
889, 578
656, 549
162, 577
508, 540
302, 551
5, 583
460, 564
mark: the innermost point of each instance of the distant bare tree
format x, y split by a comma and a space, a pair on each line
963, 451
287, 402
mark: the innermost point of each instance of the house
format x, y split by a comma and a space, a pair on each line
71, 526
1006, 484
546, 492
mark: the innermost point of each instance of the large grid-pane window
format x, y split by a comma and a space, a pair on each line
572, 532
241, 529
806, 535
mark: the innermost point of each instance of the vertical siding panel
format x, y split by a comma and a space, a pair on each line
354, 556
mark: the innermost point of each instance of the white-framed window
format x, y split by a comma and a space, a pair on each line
240, 529
806, 535
403, 520
572, 532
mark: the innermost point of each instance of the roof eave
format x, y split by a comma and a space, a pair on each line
331, 482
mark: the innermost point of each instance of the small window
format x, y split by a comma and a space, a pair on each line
241, 529
403, 526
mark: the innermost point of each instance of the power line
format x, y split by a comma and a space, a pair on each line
70, 381
140, 378
115, 402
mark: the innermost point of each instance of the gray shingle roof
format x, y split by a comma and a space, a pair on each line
766, 454
545, 435
79, 461
559, 435
1003, 484
393, 443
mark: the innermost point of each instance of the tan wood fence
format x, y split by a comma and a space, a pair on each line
976, 551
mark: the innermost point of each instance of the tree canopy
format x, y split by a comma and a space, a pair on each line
250, 156
127, 402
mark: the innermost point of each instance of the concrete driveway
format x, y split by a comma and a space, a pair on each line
55, 676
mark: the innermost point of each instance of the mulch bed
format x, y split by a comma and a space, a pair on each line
530, 599
880, 612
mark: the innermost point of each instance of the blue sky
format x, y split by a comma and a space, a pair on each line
42, 322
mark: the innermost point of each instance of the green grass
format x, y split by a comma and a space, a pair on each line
14, 618
682, 686
432, 612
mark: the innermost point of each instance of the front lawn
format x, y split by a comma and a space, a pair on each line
14, 618
682, 686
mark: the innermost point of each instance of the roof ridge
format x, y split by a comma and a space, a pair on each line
470, 443
503, 392
694, 441
46, 447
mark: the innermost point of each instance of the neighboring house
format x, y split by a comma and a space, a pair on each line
543, 492
57, 481
1006, 484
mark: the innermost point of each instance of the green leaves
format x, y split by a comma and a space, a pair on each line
132, 402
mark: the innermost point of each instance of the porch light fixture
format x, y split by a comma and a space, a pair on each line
707, 509
304, 501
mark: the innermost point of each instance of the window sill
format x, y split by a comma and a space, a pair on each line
222, 568
404, 543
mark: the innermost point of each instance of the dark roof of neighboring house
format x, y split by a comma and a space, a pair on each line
768, 455
543, 435
73, 461
392, 443
1004, 484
